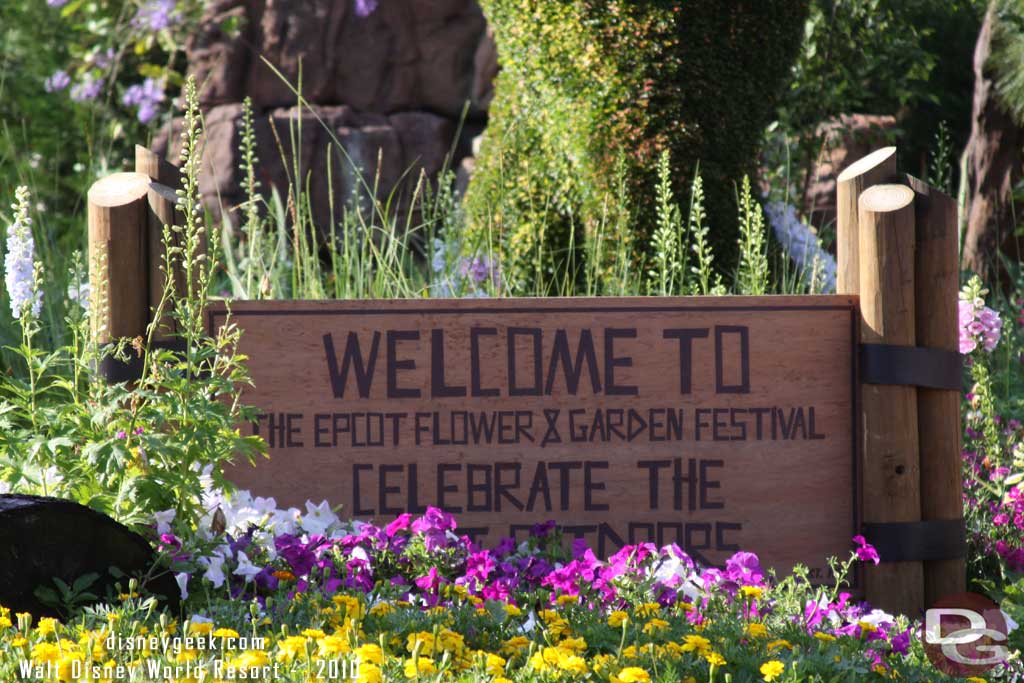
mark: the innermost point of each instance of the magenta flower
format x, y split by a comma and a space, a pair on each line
865, 551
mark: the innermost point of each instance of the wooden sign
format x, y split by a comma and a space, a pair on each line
715, 423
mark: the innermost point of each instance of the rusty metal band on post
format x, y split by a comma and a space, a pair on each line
940, 539
918, 366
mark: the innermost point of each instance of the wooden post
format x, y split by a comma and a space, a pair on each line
156, 167
118, 263
937, 280
889, 432
877, 167
162, 211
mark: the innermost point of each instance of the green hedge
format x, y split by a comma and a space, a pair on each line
591, 92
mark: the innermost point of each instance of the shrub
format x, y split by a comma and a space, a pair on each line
591, 93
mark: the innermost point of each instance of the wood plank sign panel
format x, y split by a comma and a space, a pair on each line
718, 423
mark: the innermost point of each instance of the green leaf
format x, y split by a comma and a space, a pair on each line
71, 8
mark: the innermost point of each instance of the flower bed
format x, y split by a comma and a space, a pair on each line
296, 596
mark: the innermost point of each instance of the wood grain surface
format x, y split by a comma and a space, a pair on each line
718, 423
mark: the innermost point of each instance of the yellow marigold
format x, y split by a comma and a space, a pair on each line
633, 674
46, 626
756, 630
512, 610
684, 606
824, 637
291, 647
558, 628
549, 615
695, 643
573, 664
779, 644
514, 645
370, 653
568, 599
314, 633
5, 611
225, 633
351, 604
671, 649
5, 623
752, 592
417, 667
866, 628
425, 639
501, 679
715, 659
655, 626
382, 609
494, 664
451, 641
331, 646
43, 653
201, 628
251, 659
18, 641
772, 669
975, 679
369, 673
648, 609
574, 644
617, 618
879, 669
186, 656
66, 667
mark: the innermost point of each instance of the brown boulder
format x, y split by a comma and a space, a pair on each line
409, 55
844, 140
367, 151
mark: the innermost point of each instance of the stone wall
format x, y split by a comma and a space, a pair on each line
390, 86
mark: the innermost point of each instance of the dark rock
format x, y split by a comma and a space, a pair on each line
845, 139
46, 538
378, 151
994, 166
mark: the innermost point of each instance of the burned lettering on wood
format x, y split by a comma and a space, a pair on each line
712, 423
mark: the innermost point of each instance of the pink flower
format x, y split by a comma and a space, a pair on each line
865, 551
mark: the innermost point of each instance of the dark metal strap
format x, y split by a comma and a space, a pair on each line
940, 539
919, 366
115, 370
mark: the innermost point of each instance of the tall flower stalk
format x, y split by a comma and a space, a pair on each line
22, 274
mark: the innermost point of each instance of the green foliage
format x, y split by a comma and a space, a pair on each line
1008, 55
752, 276
910, 59
592, 86
129, 451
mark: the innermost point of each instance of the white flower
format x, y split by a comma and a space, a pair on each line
318, 518
284, 521
182, 580
877, 617
5, 487
163, 520
214, 570
245, 567
1011, 625
19, 261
